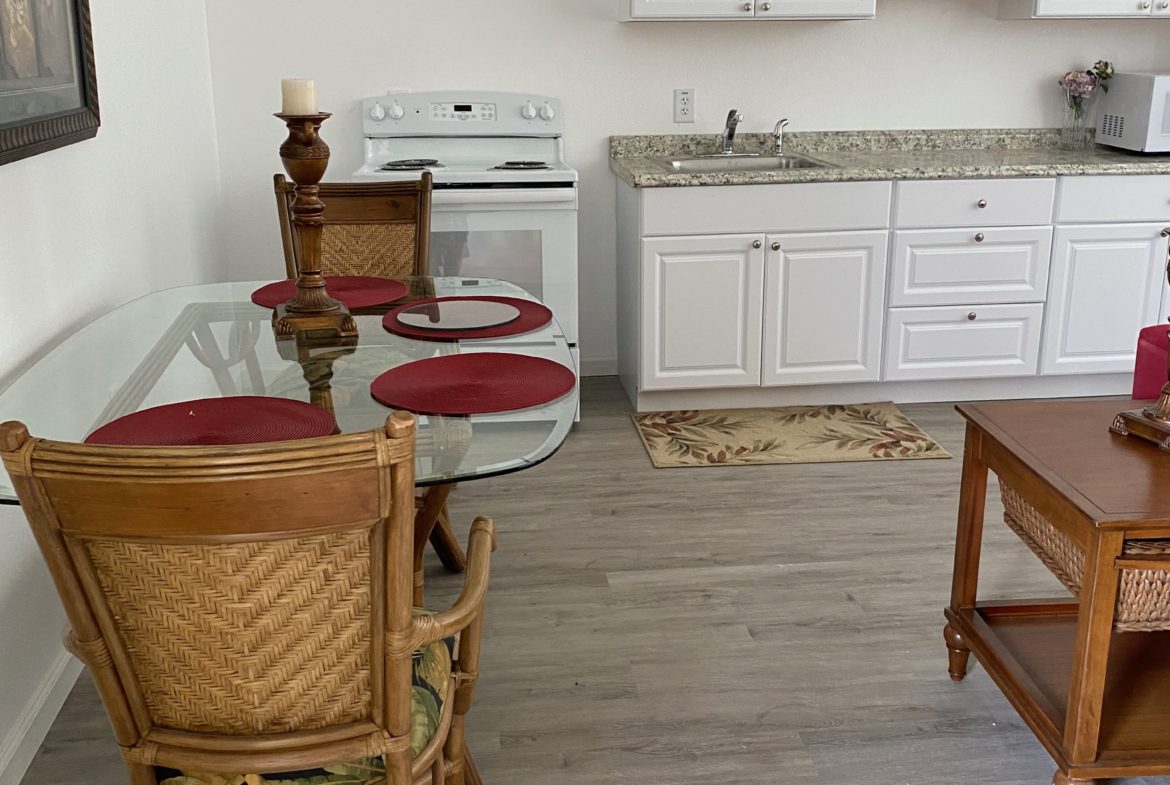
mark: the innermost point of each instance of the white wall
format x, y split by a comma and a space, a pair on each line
921, 64
82, 230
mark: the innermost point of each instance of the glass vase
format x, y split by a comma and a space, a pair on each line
1073, 131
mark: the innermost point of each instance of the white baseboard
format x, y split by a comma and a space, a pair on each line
32, 725
599, 366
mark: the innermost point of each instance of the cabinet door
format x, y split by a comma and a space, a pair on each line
824, 300
815, 9
1094, 7
654, 9
1106, 285
701, 301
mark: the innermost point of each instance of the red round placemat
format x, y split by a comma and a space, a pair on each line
243, 419
355, 291
478, 383
532, 316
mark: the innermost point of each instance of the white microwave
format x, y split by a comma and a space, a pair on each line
1135, 113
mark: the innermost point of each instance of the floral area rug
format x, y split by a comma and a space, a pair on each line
793, 434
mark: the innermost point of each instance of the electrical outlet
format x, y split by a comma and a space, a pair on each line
684, 105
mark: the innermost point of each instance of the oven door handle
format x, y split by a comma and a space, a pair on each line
489, 196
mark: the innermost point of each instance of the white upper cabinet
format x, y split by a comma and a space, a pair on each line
687, 9
1080, 9
815, 9
634, 10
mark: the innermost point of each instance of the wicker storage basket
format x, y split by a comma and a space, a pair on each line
1143, 602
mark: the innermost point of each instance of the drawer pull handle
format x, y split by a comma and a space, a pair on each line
758, 244
981, 204
775, 246
979, 237
972, 316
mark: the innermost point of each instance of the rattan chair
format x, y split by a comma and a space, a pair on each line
381, 229
248, 608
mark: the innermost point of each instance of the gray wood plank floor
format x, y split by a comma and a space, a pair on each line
772, 624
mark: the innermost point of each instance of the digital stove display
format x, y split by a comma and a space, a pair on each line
464, 112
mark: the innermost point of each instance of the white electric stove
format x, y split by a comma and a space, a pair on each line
504, 202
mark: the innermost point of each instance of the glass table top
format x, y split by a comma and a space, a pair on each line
210, 340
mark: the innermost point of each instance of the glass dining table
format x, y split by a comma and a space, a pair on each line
210, 340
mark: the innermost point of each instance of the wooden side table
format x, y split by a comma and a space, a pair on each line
1097, 699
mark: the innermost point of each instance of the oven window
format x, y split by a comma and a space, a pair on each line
515, 256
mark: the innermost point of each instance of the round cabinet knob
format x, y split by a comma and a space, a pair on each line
547, 112
981, 204
767, 6
972, 316
747, 7
758, 244
396, 111
979, 237
1145, 5
1164, 4
775, 246
378, 112
528, 111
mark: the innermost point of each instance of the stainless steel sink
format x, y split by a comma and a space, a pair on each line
719, 163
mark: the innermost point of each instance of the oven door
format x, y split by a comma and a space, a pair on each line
526, 236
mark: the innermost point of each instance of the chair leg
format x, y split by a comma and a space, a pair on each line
141, 774
439, 771
470, 772
453, 751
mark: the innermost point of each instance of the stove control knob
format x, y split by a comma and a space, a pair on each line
547, 112
528, 112
378, 112
396, 111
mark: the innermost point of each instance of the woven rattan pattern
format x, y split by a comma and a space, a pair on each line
1143, 603
386, 250
260, 637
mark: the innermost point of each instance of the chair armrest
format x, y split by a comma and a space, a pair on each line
480, 545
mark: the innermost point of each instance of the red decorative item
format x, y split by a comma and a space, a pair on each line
533, 316
479, 383
244, 419
354, 291
1149, 373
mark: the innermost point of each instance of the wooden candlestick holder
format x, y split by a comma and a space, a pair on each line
306, 156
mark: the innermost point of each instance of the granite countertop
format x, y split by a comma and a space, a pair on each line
881, 155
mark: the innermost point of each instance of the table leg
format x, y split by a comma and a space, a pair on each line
427, 522
968, 544
1098, 606
446, 545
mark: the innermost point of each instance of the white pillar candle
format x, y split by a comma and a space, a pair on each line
299, 96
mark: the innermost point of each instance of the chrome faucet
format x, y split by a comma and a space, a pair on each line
734, 118
778, 138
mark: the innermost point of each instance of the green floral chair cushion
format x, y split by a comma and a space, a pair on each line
430, 684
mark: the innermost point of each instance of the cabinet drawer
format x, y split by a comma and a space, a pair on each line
971, 266
947, 343
940, 203
733, 209
1114, 198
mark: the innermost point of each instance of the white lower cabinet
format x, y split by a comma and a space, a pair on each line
651, 9
701, 302
969, 266
959, 341
824, 303
1106, 285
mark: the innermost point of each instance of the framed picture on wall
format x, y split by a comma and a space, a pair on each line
48, 88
